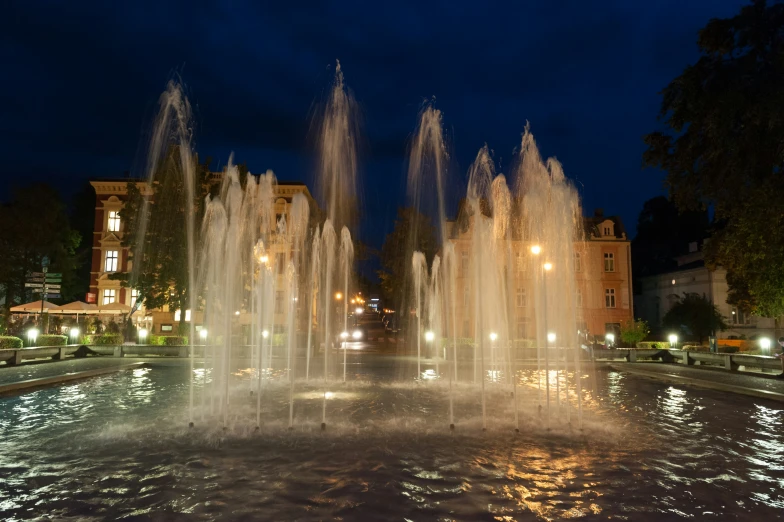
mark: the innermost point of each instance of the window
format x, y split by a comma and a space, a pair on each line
606, 231
466, 328
114, 221
609, 297
522, 298
279, 302
578, 298
522, 328
109, 294
609, 262
464, 263
738, 317
466, 296
578, 262
134, 297
178, 315
280, 263
111, 261
520, 261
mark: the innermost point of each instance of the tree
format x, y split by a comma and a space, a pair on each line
82, 220
634, 331
724, 149
398, 248
695, 316
34, 224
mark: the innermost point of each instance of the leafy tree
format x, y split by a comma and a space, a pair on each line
34, 224
82, 220
724, 149
634, 331
398, 248
695, 316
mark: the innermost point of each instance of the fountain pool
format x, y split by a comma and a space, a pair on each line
119, 446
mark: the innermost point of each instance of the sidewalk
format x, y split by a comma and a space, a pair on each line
722, 380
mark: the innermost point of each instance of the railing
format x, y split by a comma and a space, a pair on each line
728, 361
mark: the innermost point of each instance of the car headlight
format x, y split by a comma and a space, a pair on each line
357, 334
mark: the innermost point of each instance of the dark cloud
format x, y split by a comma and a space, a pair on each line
82, 79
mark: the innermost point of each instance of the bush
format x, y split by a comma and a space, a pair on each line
728, 349
8, 341
654, 345
51, 340
168, 340
103, 339
633, 332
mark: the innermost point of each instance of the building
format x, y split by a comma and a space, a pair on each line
658, 293
110, 257
603, 280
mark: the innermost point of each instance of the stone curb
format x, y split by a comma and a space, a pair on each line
17, 388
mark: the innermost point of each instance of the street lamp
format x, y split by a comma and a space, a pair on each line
142, 334
74, 334
265, 333
610, 339
429, 336
536, 249
551, 337
338, 296
493, 336
548, 266
673, 340
765, 343
203, 334
32, 335
358, 310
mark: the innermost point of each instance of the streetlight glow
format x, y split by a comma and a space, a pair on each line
429, 336
203, 333
673, 339
610, 338
343, 335
358, 311
551, 337
493, 336
265, 333
74, 333
536, 249
264, 259
338, 296
548, 266
32, 335
765, 343
237, 312
142, 334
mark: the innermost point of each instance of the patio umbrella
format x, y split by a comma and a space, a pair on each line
34, 307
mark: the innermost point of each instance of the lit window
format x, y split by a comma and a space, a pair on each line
111, 261
522, 298
738, 317
114, 221
109, 295
178, 315
578, 262
134, 297
609, 262
609, 297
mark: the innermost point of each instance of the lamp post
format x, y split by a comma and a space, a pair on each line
765, 344
142, 335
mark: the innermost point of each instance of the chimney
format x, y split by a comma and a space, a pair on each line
599, 212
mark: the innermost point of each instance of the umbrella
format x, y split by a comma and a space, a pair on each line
77, 307
34, 307
114, 308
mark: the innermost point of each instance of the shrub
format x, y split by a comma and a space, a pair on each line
168, 340
633, 332
113, 328
51, 340
653, 345
103, 339
8, 341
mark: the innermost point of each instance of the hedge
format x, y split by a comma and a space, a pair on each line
9, 341
104, 339
51, 340
654, 345
168, 340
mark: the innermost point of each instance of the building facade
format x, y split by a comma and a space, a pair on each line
110, 257
602, 267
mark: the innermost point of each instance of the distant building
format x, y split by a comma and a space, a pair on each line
603, 277
658, 293
110, 257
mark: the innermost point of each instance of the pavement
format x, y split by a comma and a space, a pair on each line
723, 380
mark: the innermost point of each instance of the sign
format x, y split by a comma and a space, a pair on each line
53, 280
90, 298
34, 285
36, 274
53, 287
51, 296
35, 279
54, 274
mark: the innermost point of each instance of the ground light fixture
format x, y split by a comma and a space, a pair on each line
610, 338
32, 335
765, 343
237, 312
429, 336
265, 333
536, 250
142, 334
338, 296
356, 335
74, 334
548, 266
493, 336
551, 337
203, 333
673, 340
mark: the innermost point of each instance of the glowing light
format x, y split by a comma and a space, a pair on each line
551, 337
338, 296
265, 333
142, 334
536, 250
429, 374
610, 338
673, 339
203, 333
493, 336
74, 333
357, 334
343, 335
765, 343
353, 301
32, 335
329, 395
359, 311
237, 312
429, 336
548, 266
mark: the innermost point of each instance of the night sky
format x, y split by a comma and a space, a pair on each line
81, 82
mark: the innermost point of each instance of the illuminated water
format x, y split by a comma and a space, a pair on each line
118, 446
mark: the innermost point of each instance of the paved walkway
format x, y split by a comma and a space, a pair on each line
27, 371
747, 384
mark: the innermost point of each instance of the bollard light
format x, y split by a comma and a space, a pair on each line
673, 340
493, 336
74, 334
338, 296
32, 335
429, 336
142, 334
237, 312
536, 249
551, 337
203, 333
548, 266
344, 335
610, 338
264, 334
765, 343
